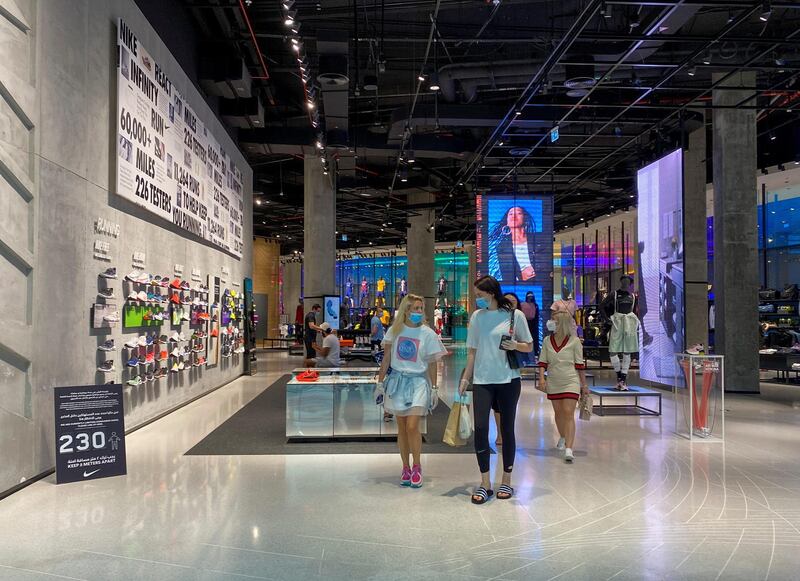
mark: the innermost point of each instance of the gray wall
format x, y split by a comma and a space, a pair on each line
57, 123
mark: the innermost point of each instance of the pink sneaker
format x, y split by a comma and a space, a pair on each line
405, 477
416, 476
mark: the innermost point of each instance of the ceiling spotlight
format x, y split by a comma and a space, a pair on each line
294, 41
319, 144
410, 157
518, 112
421, 78
772, 136
618, 130
258, 202
766, 11
692, 71
296, 47
287, 4
434, 86
290, 14
707, 59
403, 175
310, 105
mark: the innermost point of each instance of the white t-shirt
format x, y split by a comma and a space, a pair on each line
486, 329
332, 343
522, 255
414, 349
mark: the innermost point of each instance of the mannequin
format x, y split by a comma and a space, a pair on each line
403, 289
348, 287
380, 288
441, 290
364, 294
621, 307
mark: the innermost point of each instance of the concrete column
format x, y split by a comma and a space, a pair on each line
292, 287
695, 242
319, 246
266, 274
736, 236
420, 248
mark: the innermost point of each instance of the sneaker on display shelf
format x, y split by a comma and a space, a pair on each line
135, 381
133, 343
142, 296
133, 362
150, 376
239, 349
176, 284
107, 366
112, 317
142, 341
150, 358
107, 346
201, 361
214, 333
164, 282
185, 285
109, 273
134, 275
164, 354
106, 293
697, 349
185, 316
133, 296
181, 366
162, 372
176, 352
175, 299
148, 316
175, 368
150, 339
175, 337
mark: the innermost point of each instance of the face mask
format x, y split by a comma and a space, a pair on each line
529, 299
482, 302
551, 326
415, 318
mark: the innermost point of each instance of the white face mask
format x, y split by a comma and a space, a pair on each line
551, 326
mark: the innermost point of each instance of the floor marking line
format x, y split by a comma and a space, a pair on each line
261, 552
42, 573
772, 554
725, 566
138, 559
360, 542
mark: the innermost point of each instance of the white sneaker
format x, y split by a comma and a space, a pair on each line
568, 456
697, 349
112, 317
562, 444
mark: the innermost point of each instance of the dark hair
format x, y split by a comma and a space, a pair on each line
510, 294
316, 306
528, 224
628, 276
489, 284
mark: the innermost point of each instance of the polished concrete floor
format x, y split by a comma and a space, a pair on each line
638, 503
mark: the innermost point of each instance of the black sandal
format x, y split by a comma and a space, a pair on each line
505, 489
483, 493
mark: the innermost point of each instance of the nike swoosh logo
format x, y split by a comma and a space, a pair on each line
87, 474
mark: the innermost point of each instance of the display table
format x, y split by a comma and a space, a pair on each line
780, 362
625, 409
364, 371
336, 407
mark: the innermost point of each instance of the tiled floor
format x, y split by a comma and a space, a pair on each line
639, 503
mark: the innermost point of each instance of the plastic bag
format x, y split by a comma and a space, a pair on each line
585, 405
464, 423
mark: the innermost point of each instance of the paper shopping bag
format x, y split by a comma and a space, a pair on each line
451, 437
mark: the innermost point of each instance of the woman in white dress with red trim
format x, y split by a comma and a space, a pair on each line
562, 359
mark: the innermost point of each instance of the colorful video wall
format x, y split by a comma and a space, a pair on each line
514, 244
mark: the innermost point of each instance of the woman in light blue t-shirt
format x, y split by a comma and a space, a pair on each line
489, 338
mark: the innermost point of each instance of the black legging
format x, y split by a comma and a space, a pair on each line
506, 395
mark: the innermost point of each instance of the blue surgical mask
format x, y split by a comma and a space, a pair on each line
416, 318
482, 302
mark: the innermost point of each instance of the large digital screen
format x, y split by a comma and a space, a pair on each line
168, 161
514, 244
661, 281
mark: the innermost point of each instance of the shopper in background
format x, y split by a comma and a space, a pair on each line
310, 330
376, 333
565, 304
530, 309
489, 338
328, 354
562, 358
411, 350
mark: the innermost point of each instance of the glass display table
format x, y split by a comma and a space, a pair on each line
337, 406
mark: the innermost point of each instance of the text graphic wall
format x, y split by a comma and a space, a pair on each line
168, 162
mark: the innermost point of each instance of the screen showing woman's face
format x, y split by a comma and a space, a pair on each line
516, 218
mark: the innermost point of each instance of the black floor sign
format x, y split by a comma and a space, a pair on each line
90, 432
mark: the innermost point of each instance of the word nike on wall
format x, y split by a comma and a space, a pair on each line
168, 161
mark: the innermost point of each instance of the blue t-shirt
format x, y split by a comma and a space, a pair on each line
376, 322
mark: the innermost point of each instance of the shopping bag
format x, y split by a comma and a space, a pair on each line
585, 405
464, 422
451, 437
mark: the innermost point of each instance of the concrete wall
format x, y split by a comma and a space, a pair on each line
57, 123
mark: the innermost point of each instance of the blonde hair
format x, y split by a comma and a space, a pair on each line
564, 324
402, 313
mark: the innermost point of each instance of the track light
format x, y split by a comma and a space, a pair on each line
434, 86
605, 10
410, 157
692, 71
707, 59
290, 15
310, 105
772, 136
421, 77
766, 11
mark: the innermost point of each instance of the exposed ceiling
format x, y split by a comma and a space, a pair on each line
622, 80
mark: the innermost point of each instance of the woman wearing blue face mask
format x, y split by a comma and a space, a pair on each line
489, 337
411, 349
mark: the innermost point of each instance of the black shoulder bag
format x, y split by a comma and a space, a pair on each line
513, 362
